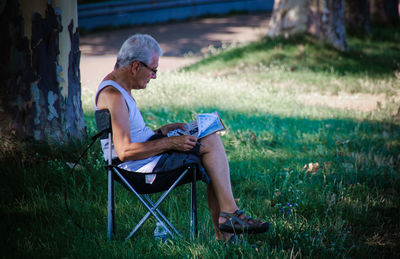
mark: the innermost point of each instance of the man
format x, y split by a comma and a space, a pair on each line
141, 149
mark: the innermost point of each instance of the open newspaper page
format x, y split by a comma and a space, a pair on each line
204, 125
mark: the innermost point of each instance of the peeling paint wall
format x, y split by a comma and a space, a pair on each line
40, 72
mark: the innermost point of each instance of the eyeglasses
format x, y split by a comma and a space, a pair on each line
146, 66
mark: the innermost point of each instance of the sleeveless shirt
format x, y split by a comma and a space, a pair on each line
138, 130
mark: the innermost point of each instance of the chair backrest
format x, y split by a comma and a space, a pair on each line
103, 122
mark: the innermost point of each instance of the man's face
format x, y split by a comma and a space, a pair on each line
147, 72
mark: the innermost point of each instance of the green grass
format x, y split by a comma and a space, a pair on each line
348, 207
367, 67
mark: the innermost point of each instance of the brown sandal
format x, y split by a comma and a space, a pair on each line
235, 224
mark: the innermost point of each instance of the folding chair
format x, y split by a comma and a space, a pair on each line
187, 174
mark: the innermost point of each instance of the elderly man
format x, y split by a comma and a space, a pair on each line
141, 149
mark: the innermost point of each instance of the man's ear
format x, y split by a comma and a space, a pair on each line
135, 67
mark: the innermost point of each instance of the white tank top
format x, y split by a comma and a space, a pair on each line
138, 130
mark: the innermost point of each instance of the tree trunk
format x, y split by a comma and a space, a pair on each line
385, 11
358, 14
299, 16
289, 17
39, 79
333, 24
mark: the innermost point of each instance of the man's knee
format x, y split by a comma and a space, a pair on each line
209, 143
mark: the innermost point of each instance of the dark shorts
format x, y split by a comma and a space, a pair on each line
168, 169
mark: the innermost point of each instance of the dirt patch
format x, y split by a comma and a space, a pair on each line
99, 50
180, 38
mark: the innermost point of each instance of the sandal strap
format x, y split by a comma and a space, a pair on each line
234, 218
235, 224
225, 214
239, 213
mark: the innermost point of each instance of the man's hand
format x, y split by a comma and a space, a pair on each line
173, 126
183, 143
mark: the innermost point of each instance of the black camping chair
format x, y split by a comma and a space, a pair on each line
187, 174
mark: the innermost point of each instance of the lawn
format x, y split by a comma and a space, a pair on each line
326, 177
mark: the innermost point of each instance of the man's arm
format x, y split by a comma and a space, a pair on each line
170, 127
111, 99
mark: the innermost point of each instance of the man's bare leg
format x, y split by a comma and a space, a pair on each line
216, 164
219, 191
214, 210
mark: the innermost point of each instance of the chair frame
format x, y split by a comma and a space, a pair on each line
112, 172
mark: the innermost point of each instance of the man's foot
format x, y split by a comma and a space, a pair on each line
237, 222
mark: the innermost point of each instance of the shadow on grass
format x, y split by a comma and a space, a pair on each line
339, 207
373, 55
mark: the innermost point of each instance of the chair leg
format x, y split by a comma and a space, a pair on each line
193, 210
162, 215
151, 209
111, 206
153, 206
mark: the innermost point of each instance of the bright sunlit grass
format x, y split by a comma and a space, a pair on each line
326, 178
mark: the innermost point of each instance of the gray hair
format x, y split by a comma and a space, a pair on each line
138, 47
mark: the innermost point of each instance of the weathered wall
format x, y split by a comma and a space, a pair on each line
40, 81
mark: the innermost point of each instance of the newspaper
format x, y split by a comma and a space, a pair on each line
204, 125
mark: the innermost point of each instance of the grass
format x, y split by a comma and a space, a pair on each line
367, 67
327, 179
